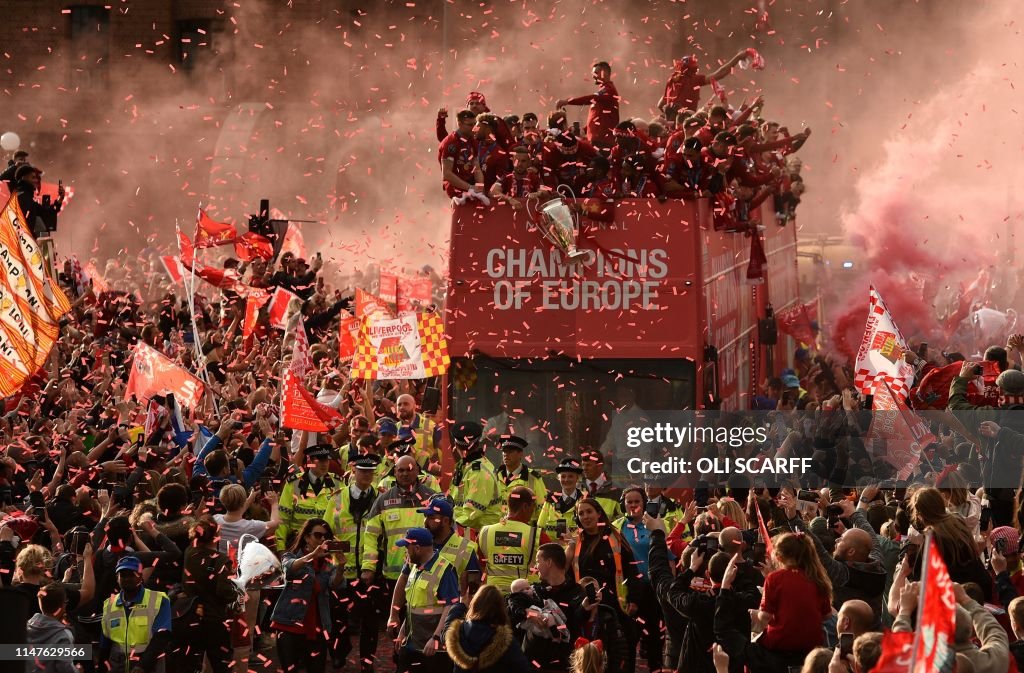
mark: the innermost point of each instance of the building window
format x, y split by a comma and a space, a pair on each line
90, 45
195, 43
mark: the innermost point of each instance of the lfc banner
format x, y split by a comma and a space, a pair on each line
936, 616
31, 304
412, 346
153, 374
903, 432
880, 358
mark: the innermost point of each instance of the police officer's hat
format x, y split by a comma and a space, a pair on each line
512, 443
466, 433
402, 445
320, 451
366, 462
569, 465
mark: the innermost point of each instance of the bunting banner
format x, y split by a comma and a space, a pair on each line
31, 303
412, 346
880, 357
153, 373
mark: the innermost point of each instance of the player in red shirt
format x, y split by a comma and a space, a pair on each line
601, 185
604, 106
565, 162
477, 104
460, 171
682, 91
521, 183
634, 181
493, 159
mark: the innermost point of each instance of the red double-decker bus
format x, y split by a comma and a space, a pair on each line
661, 318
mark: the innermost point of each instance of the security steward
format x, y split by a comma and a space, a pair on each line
557, 518
461, 552
392, 515
474, 488
427, 588
307, 495
405, 446
513, 472
358, 601
508, 547
136, 623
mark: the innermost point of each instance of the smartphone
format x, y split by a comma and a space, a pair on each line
845, 644
591, 592
701, 494
561, 527
909, 552
808, 495
869, 401
656, 509
1000, 546
986, 518
576, 129
431, 400
343, 546
758, 553
266, 485
102, 493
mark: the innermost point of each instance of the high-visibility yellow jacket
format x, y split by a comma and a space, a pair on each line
476, 494
508, 548
299, 503
391, 516
523, 477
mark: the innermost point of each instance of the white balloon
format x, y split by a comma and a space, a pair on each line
10, 141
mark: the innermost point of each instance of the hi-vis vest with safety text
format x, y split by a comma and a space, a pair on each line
508, 548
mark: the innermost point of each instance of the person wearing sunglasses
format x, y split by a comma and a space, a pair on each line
302, 615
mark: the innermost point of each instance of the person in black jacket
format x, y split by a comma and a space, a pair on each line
548, 617
202, 628
602, 623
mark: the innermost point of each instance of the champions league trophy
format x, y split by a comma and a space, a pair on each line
560, 227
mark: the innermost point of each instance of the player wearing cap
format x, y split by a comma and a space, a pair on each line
395, 511
438, 518
599, 486
508, 547
347, 514
136, 623
474, 488
405, 446
307, 495
556, 516
513, 473
427, 588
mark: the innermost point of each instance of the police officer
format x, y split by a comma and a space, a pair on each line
598, 486
306, 496
556, 516
392, 515
405, 446
358, 602
424, 430
427, 588
136, 623
513, 472
508, 546
474, 487
438, 518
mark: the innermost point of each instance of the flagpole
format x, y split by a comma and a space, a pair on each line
190, 288
922, 586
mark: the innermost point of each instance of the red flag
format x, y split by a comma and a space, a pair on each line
279, 303
933, 391
173, 267
388, 288
154, 417
211, 233
368, 305
251, 245
253, 303
187, 250
758, 260
301, 411
904, 433
896, 652
347, 335
796, 321
301, 360
936, 617
768, 546
153, 374
412, 291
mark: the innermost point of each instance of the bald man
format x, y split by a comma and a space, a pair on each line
424, 430
855, 617
855, 568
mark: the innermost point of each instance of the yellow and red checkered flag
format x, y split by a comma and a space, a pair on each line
411, 346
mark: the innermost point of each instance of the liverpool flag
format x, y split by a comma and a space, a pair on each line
411, 346
880, 358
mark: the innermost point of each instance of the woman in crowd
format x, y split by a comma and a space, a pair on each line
479, 637
206, 584
792, 628
952, 537
636, 535
302, 615
599, 551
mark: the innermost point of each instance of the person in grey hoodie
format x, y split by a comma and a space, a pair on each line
47, 628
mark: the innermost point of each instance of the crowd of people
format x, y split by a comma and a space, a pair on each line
130, 526
736, 157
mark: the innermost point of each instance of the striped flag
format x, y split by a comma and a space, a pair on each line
173, 267
411, 346
880, 358
31, 303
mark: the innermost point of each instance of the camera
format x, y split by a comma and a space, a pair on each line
706, 545
807, 495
